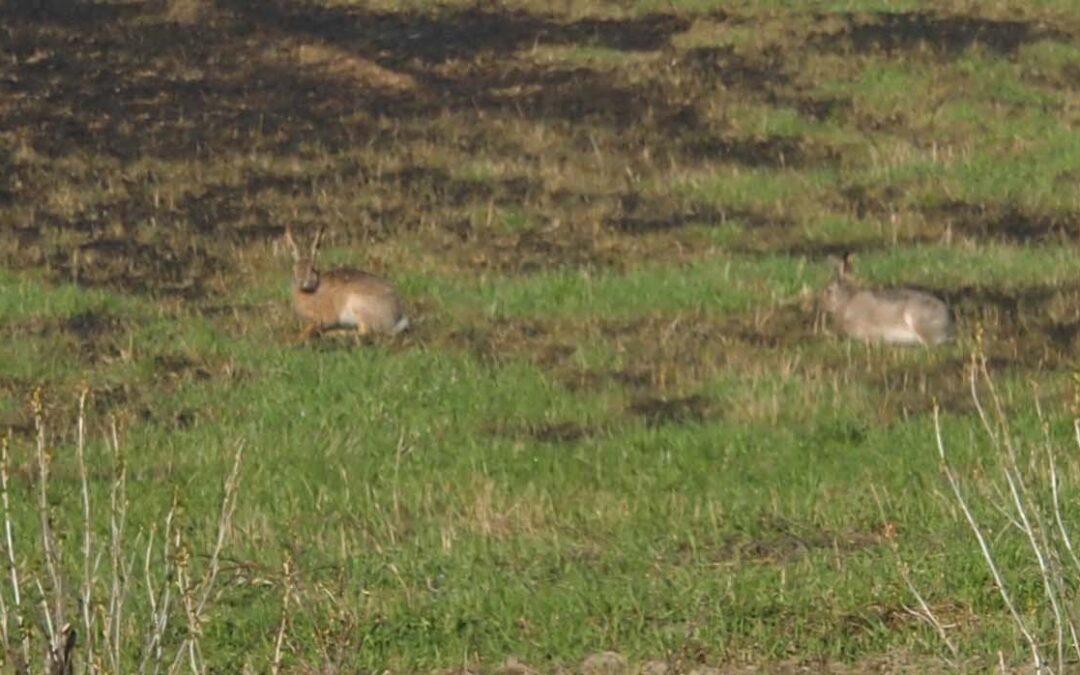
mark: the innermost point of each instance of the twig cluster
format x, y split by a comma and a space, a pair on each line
1032, 507
101, 636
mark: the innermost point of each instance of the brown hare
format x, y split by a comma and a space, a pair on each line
341, 298
900, 316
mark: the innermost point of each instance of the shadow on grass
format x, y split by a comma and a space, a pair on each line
940, 34
119, 82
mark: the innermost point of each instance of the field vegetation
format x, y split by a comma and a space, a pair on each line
620, 422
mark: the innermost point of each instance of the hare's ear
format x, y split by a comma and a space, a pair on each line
837, 264
317, 241
290, 242
844, 270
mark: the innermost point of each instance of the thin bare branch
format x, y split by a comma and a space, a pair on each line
926, 614
1054, 485
279, 641
86, 596
55, 613
228, 507
117, 519
9, 539
159, 605
1036, 653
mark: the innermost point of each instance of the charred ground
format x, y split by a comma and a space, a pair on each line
613, 220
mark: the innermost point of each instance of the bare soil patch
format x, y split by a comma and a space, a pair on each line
940, 34
639, 214
96, 82
781, 542
554, 433
93, 334
679, 410
1010, 224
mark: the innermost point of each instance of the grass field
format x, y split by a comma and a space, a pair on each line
621, 422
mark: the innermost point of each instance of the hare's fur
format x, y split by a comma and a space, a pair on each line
342, 298
898, 316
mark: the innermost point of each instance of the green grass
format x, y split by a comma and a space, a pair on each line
619, 422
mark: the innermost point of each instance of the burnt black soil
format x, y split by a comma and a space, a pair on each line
90, 89
941, 35
120, 83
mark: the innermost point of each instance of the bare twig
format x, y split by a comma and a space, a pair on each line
1065, 538
1026, 511
5, 638
1015, 487
159, 606
195, 595
228, 507
926, 613
1063, 531
1036, 652
977, 361
54, 615
86, 597
117, 520
13, 568
275, 664
35, 638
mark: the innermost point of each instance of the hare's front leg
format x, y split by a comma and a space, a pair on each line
361, 331
311, 330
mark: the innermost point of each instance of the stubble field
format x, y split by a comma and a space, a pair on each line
620, 421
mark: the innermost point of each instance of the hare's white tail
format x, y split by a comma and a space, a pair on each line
402, 324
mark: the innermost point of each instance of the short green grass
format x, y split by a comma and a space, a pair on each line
620, 421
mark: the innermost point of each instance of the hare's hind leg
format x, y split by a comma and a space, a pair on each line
361, 331
913, 326
353, 316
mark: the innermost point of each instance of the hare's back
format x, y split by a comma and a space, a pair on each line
365, 299
355, 281
901, 316
911, 298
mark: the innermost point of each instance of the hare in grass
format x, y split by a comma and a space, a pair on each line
341, 298
899, 316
